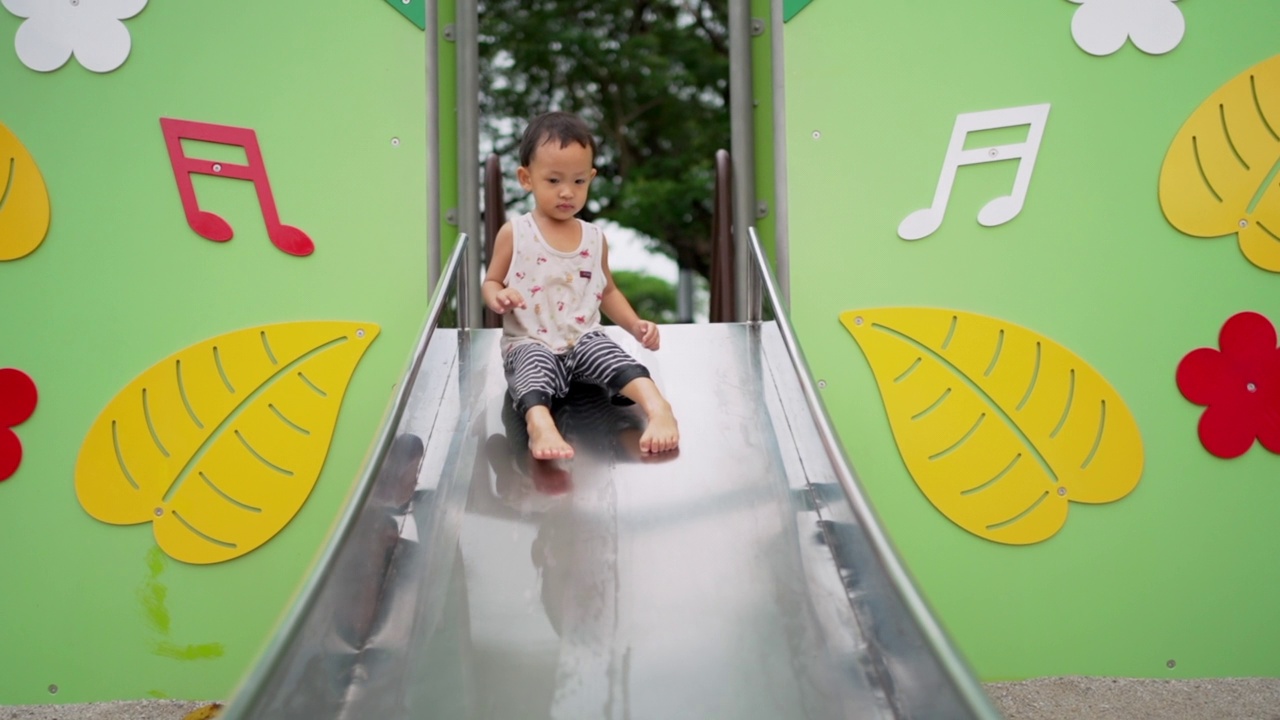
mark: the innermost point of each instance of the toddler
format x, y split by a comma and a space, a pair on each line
549, 278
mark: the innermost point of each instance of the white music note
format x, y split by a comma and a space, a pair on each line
922, 223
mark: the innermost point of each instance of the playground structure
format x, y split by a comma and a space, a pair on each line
1089, 264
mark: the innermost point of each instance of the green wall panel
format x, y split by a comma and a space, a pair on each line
121, 282
1181, 570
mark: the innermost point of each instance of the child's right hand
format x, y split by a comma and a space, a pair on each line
506, 299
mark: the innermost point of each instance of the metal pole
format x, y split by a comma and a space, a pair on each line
781, 236
741, 121
433, 148
467, 25
684, 295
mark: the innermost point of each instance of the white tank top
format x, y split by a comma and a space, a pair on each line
561, 290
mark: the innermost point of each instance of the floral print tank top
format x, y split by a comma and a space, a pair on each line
561, 290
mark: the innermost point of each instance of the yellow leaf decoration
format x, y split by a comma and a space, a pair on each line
1220, 174
24, 199
221, 443
999, 426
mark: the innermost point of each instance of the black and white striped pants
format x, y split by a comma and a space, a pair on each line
536, 375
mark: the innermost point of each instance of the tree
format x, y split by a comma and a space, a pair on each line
652, 297
650, 76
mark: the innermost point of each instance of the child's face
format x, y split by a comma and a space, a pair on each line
559, 178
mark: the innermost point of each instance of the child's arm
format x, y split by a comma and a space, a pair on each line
497, 295
618, 309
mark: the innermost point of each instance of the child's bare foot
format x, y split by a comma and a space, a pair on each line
662, 434
545, 440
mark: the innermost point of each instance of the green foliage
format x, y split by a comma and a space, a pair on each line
650, 76
653, 298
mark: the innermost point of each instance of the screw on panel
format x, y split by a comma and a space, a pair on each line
1171, 664
817, 134
395, 142
449, 32
53, 689
451, 216
762, 209
822, 383
757, 27
1244, 224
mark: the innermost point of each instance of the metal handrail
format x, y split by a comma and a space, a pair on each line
254, 683
495, 214
934, 635
722, 250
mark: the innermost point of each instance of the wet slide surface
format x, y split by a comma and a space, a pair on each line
475, 582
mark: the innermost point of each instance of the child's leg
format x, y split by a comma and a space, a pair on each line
535, 375
596, 358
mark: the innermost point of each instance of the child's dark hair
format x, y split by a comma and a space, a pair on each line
563, 127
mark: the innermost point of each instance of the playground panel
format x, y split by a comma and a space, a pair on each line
1174, 577
321, 115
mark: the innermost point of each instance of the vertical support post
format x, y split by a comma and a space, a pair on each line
742, 146
684, 295
467, 24
433, 149
781, 216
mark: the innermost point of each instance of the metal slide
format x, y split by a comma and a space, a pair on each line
744, 577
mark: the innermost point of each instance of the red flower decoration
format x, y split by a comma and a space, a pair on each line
17, 403
1240, 384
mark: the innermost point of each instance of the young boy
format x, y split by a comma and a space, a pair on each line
549, 278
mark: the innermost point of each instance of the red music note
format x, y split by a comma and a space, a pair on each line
208, 225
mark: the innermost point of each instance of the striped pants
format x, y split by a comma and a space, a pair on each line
537, 376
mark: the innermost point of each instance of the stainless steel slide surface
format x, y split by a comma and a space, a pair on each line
737, 578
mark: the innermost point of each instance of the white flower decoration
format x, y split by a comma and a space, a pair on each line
91, 29
1100, 27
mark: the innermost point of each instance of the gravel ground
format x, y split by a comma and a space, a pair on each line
1103, 698
120, 710
1056, 698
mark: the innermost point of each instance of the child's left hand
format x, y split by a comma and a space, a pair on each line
647, 333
